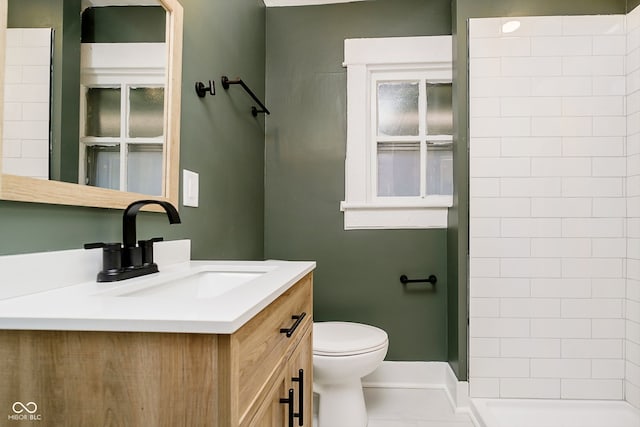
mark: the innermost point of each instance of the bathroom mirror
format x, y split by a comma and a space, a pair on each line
159, 97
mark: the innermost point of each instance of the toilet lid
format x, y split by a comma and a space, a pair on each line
345, 338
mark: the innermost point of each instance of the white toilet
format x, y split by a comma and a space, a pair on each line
343, 353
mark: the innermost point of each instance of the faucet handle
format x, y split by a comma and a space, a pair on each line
147, 249
95, 245
111, 256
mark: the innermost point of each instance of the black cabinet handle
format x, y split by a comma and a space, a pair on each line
289, 401
300, 380
292, 329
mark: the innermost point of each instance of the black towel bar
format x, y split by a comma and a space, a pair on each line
431, 279
254, 111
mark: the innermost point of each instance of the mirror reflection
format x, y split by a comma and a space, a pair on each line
87, 103
27, 114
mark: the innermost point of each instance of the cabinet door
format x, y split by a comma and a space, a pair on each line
300, 376
272, 412
259, 346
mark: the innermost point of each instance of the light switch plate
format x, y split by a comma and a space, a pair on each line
190, 184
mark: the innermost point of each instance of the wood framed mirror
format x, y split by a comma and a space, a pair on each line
83, 192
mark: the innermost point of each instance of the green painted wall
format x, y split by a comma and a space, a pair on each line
357, 278
357, 275
219, 139
65, 166
632, 4
458, 232
123, 24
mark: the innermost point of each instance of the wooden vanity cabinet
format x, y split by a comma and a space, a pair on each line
254, 358
131, 379
272, 412
302, 359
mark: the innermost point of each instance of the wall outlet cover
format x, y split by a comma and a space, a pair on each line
190, 190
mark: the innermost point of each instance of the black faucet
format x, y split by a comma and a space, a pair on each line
127, 260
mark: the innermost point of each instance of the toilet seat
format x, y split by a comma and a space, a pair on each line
347, 339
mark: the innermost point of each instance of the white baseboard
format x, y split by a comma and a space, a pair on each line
408, 375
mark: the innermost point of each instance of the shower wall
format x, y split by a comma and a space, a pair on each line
632, 348
548, 208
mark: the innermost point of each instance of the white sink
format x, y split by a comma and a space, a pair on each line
199, 285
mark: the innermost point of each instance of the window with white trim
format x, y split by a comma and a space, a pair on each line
122, 111
398, 168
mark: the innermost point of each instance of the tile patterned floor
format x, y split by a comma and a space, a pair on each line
397, 407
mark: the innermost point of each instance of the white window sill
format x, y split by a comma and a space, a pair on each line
396, 215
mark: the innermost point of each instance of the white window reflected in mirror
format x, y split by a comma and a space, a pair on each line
122, 118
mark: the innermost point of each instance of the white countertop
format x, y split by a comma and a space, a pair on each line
92, 306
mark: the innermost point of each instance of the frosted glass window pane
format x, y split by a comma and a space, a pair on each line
103, 166
398, 169
144, 169
103, 112
146, 112
398, 108
439, 170
439, 109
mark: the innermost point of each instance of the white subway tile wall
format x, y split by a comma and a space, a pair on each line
25, 148
555, 198
632, 301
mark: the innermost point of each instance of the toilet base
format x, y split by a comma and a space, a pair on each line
342, 405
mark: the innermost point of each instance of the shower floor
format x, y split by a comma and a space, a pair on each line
554, 413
